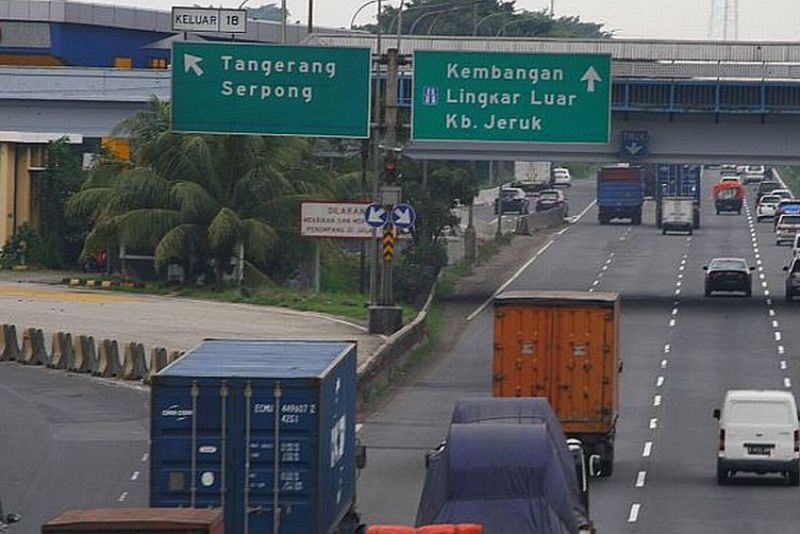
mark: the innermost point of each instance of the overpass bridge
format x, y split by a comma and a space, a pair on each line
699, 101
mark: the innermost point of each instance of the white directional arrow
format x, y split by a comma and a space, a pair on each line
591, 77
634, 148
403, 217
192, 62
376, 216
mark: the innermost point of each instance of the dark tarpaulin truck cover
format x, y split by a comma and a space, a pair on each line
524, 410
507, 477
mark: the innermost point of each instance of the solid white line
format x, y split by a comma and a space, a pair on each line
667, 348
510, 280
783, 365
123, 496
135, 475
648, 448
640, 479
787, 382
777, 336
587, 208
657, 400
561, 232
781, 350
660, 381
664, 363
653, 423
634, 515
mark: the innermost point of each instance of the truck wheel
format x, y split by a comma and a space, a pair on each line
697, 220
794, 475
723, 476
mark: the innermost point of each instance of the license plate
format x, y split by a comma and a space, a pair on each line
759, 450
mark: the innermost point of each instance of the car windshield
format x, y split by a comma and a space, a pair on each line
770, 199
728, 264
789, 219
759, 412
757, 169
548, 195
511, 193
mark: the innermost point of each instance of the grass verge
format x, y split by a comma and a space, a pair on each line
791, 175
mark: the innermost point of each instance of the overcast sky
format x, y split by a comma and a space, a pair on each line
759, 20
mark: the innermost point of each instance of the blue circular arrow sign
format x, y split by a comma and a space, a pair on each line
376, 215
403, 216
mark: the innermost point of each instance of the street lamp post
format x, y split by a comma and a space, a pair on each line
484, 19
429, 13
510, 22
360, 9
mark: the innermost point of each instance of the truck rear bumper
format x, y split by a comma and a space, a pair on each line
759, 466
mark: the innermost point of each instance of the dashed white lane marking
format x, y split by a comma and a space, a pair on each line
667, 348
145, 456
640, 479
678, 291
123, 496
682, 267
648, 448
678, 283
657, 400
683, 261
672, 322
653, 423
772, 313
674, 311
633, 516
762, 276
591, 290
763, 284
774, 324
595, 282
664, 364
783, 365
660, 381
787, 382
781, 349
777, 336
135, 475
766, 292
769, 302
604, 268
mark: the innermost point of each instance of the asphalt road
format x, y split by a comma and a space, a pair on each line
681, 352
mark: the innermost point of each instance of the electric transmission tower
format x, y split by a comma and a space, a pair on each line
723, 24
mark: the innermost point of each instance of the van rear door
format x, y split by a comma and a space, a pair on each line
759, 430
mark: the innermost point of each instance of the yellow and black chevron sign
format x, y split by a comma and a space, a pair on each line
388, 243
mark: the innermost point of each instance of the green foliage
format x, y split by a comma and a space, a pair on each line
24, 247
416, 271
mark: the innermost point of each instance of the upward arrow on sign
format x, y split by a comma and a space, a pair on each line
591, 77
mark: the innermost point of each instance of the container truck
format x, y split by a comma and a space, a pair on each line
620, 193
264, 430
563, 346
676, 181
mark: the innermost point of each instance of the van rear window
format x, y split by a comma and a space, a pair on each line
770, 413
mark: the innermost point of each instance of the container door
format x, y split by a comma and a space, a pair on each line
580, 353
183, 423
522, 352
298, 456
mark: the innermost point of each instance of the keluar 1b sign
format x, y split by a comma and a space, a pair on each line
489, 96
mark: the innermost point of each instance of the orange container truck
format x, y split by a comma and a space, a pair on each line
563, 345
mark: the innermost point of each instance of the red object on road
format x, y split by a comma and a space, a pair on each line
728, 190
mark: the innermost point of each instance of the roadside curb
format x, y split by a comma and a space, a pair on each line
379, 370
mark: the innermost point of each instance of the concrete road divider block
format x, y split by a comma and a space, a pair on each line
108, 359
85, 355
158, 360
75, 282
61, 351
105, 284
33, 348
135, 364
10, 343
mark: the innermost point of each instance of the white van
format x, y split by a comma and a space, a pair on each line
759, 432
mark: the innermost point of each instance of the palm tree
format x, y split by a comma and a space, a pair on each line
194, 195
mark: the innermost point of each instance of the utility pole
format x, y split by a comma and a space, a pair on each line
374, 266
283, 21
310, 17
390, 142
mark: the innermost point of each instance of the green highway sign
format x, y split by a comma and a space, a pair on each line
270, 89
487, 96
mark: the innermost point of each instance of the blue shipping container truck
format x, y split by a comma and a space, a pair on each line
620, 193
213, 434
678, 181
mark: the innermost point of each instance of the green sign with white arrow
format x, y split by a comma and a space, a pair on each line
270, 89
487, 96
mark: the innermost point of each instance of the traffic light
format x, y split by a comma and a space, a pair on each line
390, 174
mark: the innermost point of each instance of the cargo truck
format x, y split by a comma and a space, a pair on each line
264, 430
676, 181
620, 193
563, 346
728, 196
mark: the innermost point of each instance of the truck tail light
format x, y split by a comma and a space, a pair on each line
797, 441
722, 440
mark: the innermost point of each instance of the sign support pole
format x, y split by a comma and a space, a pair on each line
390, 142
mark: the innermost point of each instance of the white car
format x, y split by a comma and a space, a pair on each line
766, 207
787, 227
796, 246
758, 432
754, 173
783, 193
561, 176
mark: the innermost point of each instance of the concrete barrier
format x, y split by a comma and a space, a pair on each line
158, 360
85, 355
61, 351
174, 356
528, 224
108, 359
134, 366
33, 348
10, 345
